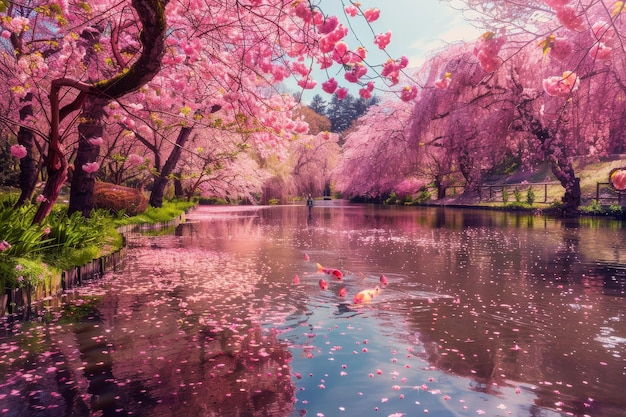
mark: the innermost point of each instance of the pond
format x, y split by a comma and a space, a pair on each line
478, 312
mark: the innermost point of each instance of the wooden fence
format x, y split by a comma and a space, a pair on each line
605, 194
494, 192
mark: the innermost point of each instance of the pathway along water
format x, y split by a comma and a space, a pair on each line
483, 313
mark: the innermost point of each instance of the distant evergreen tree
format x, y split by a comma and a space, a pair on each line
362, 104
342, 113
318, 105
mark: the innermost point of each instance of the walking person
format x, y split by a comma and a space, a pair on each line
309, 203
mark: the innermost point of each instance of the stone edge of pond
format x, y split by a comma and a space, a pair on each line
20, 301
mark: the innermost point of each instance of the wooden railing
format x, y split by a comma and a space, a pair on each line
611, 196
492, 192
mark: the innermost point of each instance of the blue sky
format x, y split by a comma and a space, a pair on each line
418, 27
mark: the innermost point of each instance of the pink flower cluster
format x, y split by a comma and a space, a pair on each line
408, 93
330, 85
4, 245
567, 15
134, 160
603, 33
443, 82
370, 15
366, 92
383, 39
91, 167
96, 141
560, 48
358, 71
391, 69
486, 50
18, 151
561, 86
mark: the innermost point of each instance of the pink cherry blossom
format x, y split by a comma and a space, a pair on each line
560, 48
371, 15
4, 245
600, 51
328, 25
135, 160
341, 93
569, 17
351, 10
603, 30
382, 39
18, 151
408, 93
91, 167
329, 85
444, 82
366, 92
341, 53
403, 62
357, 72
486, 50
358, 55
96, 141
307, 83
487, 62
561, 86
41, 198
555, 4
390, 67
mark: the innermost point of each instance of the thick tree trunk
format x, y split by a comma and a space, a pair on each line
56, 165
179, 192
556, 151
466, 167
28, 164
160, 182
563, 170
81, 194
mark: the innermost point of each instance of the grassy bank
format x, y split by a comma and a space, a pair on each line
34, 256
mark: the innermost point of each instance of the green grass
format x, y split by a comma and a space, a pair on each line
168, 212
61, 243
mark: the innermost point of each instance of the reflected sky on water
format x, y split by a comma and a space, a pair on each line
484, 313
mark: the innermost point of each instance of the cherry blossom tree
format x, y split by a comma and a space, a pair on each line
221, 165
58, 84
313, 158
565, 63
377, 155
111, 50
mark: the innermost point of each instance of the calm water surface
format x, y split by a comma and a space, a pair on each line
484, 313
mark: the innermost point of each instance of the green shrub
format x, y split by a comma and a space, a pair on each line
152, 215
594, 207
530, 196
505, 195
17, 272
422, 197
209, 201
393, 199
518, 195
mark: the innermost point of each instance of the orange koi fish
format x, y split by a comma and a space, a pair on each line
365, 296
330, 271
